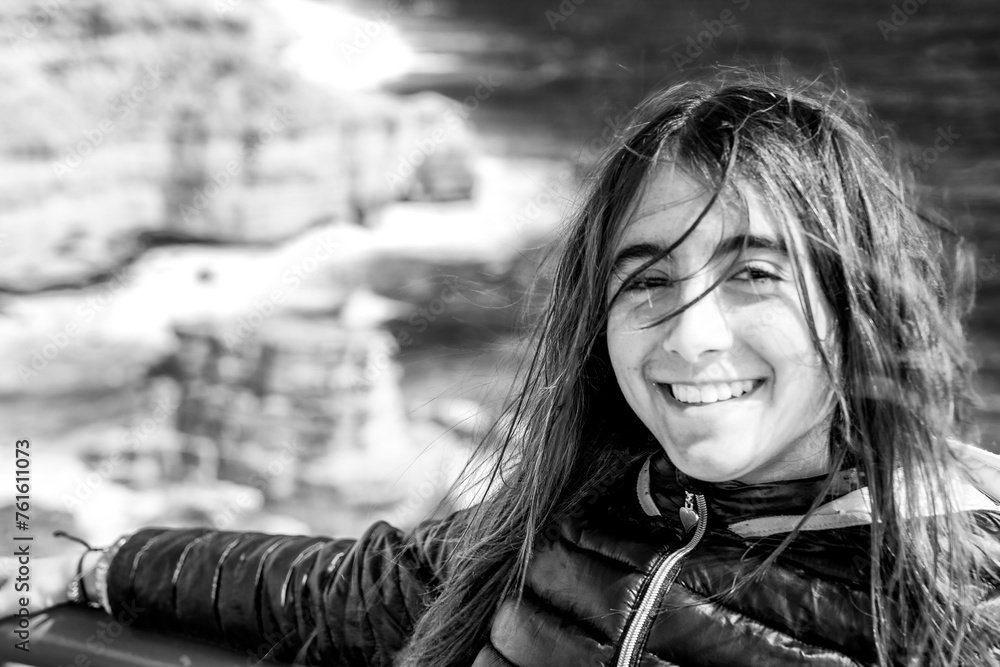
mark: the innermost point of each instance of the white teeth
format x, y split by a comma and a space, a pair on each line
710, 393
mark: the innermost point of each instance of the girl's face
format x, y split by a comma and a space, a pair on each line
733, 387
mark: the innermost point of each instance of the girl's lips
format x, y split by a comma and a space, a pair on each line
666, 390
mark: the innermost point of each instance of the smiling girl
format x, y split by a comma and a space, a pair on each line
738, 440
731, 388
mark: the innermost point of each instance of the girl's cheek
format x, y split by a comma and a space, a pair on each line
759, 325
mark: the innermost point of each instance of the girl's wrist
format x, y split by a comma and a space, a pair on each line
97, 575
88, 578
71, 561
92, 596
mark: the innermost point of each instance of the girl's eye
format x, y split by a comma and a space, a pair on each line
647, 282
755, 273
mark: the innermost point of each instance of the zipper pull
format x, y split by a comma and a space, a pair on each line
689, 517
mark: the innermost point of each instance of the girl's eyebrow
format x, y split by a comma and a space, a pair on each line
740, 242
647, 250
644, 251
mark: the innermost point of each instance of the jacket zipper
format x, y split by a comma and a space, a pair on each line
659, 582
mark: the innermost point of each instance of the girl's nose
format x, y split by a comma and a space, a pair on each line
699, 331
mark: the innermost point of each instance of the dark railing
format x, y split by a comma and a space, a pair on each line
72, 636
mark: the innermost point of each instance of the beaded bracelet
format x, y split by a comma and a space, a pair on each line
103, 565
76, 592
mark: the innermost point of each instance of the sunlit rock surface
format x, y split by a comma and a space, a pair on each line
131, 124
169, 166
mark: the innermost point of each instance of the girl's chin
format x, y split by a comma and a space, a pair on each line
713, 475
708, 469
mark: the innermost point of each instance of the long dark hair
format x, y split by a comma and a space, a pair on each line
898, 280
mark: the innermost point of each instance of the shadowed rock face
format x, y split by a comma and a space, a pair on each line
173, 169
167, 122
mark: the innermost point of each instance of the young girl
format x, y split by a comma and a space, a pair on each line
738, 440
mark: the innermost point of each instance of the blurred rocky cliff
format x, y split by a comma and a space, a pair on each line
216, 263
123, 123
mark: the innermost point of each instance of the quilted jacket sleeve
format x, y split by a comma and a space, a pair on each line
347, 602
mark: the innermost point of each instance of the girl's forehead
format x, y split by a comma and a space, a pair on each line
671, 201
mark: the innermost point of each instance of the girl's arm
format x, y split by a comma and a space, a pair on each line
342, 601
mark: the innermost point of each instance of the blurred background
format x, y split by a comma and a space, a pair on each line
267, 265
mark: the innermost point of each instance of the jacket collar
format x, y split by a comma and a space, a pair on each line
758, 510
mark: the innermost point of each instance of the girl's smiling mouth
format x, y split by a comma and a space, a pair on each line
706, 394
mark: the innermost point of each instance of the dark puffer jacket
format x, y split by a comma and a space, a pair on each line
627, 581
